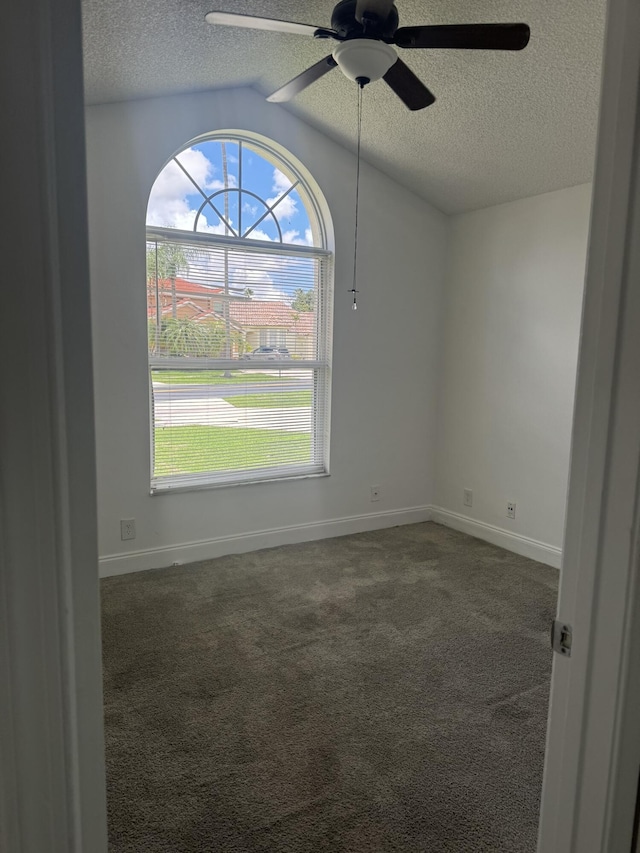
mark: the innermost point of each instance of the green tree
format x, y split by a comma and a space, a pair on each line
240, 342
164, 262
154, 336
303, 300
214, 337
183, 337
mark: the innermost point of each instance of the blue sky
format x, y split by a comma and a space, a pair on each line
174, 200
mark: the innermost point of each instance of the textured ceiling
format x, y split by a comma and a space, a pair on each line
505, 125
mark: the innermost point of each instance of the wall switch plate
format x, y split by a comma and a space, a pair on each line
127, 529
511, 510
468, 497
375, 493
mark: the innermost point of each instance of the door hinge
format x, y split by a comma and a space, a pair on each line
561, 638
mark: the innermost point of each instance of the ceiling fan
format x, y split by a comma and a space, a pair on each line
366, 31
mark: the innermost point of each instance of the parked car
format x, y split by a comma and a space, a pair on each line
268, 354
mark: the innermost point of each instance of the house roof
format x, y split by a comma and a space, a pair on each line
273, 314
190, 287
167, 309
242, 313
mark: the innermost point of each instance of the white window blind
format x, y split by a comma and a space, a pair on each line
239, 344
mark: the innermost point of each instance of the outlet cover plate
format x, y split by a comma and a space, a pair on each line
511, 510
467, 497
127, 529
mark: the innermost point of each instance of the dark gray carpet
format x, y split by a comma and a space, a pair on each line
379, 692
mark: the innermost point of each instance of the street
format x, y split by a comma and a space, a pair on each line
204, 405
187, 392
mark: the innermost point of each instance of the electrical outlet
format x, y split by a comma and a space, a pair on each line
511, 510
375, 493
127, 528
468, 497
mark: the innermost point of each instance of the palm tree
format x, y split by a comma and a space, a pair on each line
227, 319
164, 261
184, 338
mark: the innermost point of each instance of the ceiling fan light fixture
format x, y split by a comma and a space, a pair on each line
364, 58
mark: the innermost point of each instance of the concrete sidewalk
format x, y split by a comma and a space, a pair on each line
214, 411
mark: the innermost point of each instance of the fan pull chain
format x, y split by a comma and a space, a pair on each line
353, 290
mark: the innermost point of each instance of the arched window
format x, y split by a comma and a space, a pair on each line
238, 304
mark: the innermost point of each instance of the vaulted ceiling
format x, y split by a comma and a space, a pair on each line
504, 126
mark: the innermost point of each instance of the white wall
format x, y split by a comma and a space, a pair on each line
511, 322
384, 359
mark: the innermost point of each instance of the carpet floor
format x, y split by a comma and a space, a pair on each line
385, 691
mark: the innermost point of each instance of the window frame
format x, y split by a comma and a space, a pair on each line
320, 366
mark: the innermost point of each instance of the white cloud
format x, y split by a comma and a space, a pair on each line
280, 181
259, 281
294, 237
250, 276
268, 275
288, 207
203, 225
170, 213
258, 234
168, 206
172, 182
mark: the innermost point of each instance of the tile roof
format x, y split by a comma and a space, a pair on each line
242, 313
184, 286
272, 314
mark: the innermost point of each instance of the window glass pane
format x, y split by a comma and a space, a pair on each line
212, 302
222, 186
217, 298
233, 421
267, 229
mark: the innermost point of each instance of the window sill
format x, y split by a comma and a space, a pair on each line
161, 489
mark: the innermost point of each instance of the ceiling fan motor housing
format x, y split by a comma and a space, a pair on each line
364, 59
344, 22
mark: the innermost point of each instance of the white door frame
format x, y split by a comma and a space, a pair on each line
593, 746
52, 792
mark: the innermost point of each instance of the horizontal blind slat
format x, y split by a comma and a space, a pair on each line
239, 422
193, 238
207, 301
237, 355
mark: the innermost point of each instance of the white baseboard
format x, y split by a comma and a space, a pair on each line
523, 545
219, 546
207, 549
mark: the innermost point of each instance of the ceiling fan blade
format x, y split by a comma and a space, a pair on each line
231, 19
465, 36
409, 88
295, 86
378, 8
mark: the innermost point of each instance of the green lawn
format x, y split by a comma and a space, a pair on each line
213, 448
279, 400
213, 377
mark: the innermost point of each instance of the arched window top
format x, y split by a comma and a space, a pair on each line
239, 187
